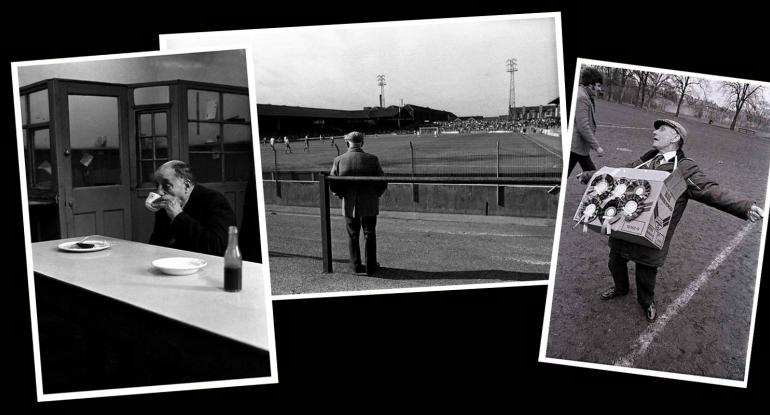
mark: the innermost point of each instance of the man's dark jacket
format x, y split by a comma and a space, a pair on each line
201, 227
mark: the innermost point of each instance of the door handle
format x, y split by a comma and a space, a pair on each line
70, 203
67, 152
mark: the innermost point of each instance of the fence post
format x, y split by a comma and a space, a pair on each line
275, 163
326, 235
415, 193
275, 174
500, 189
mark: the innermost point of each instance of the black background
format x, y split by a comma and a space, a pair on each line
475, 346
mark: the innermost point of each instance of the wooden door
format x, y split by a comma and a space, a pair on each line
95, 167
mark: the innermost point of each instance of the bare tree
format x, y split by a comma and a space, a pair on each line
609, 80
739, 94
681, 84
641, 80
656, 82
623, 74
758, 115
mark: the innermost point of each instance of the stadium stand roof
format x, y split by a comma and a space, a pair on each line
368, 113
555, 101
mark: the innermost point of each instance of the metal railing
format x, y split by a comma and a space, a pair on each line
325, 179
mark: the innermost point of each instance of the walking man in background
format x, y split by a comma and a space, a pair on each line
360, 200
584, 131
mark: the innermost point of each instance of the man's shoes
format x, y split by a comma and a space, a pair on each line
650, 312
372, 270
611, 293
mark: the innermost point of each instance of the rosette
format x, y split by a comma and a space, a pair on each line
602, 184
640, 188
620, 187
589, 210
631, 206
611, 214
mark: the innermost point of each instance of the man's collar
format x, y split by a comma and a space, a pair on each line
669, 155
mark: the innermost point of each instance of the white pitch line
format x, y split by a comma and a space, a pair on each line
651, 332
541, 145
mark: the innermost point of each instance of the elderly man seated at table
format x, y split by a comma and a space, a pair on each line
189, 216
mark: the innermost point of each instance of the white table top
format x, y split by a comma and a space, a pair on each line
124, 272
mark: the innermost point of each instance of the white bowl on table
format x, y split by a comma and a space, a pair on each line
179, 265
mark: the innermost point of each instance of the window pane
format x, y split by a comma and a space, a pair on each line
161, 147
207, 167
151, 95
235, 107
43, 170
160, 123
145, 124
23, 108
147, 173
203, 136
202, 105
146, 148
238, 166
38, 106
94, 140
237, 137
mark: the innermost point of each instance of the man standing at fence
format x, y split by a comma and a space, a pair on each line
584, 131
360, 200
306, 149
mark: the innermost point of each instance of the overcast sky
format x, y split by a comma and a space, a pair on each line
458, 65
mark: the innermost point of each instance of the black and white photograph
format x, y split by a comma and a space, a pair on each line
662, 224
143, 222
407, 156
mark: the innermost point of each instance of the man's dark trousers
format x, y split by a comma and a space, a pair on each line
585, 162
645, 278
354, 225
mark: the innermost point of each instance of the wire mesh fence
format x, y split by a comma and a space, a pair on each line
475, 155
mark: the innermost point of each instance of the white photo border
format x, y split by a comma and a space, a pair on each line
164, 40
42, 397
549, 299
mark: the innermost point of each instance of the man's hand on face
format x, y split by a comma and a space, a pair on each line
755, 213
170, 205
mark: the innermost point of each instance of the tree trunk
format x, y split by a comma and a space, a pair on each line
738, 109
623, 79
679, 105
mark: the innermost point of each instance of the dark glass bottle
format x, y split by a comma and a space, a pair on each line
233, 262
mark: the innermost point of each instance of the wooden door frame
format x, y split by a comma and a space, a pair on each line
62, 89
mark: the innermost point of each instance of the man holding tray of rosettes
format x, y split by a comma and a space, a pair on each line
667, 154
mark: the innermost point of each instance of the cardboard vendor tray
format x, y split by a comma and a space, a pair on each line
631, 204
